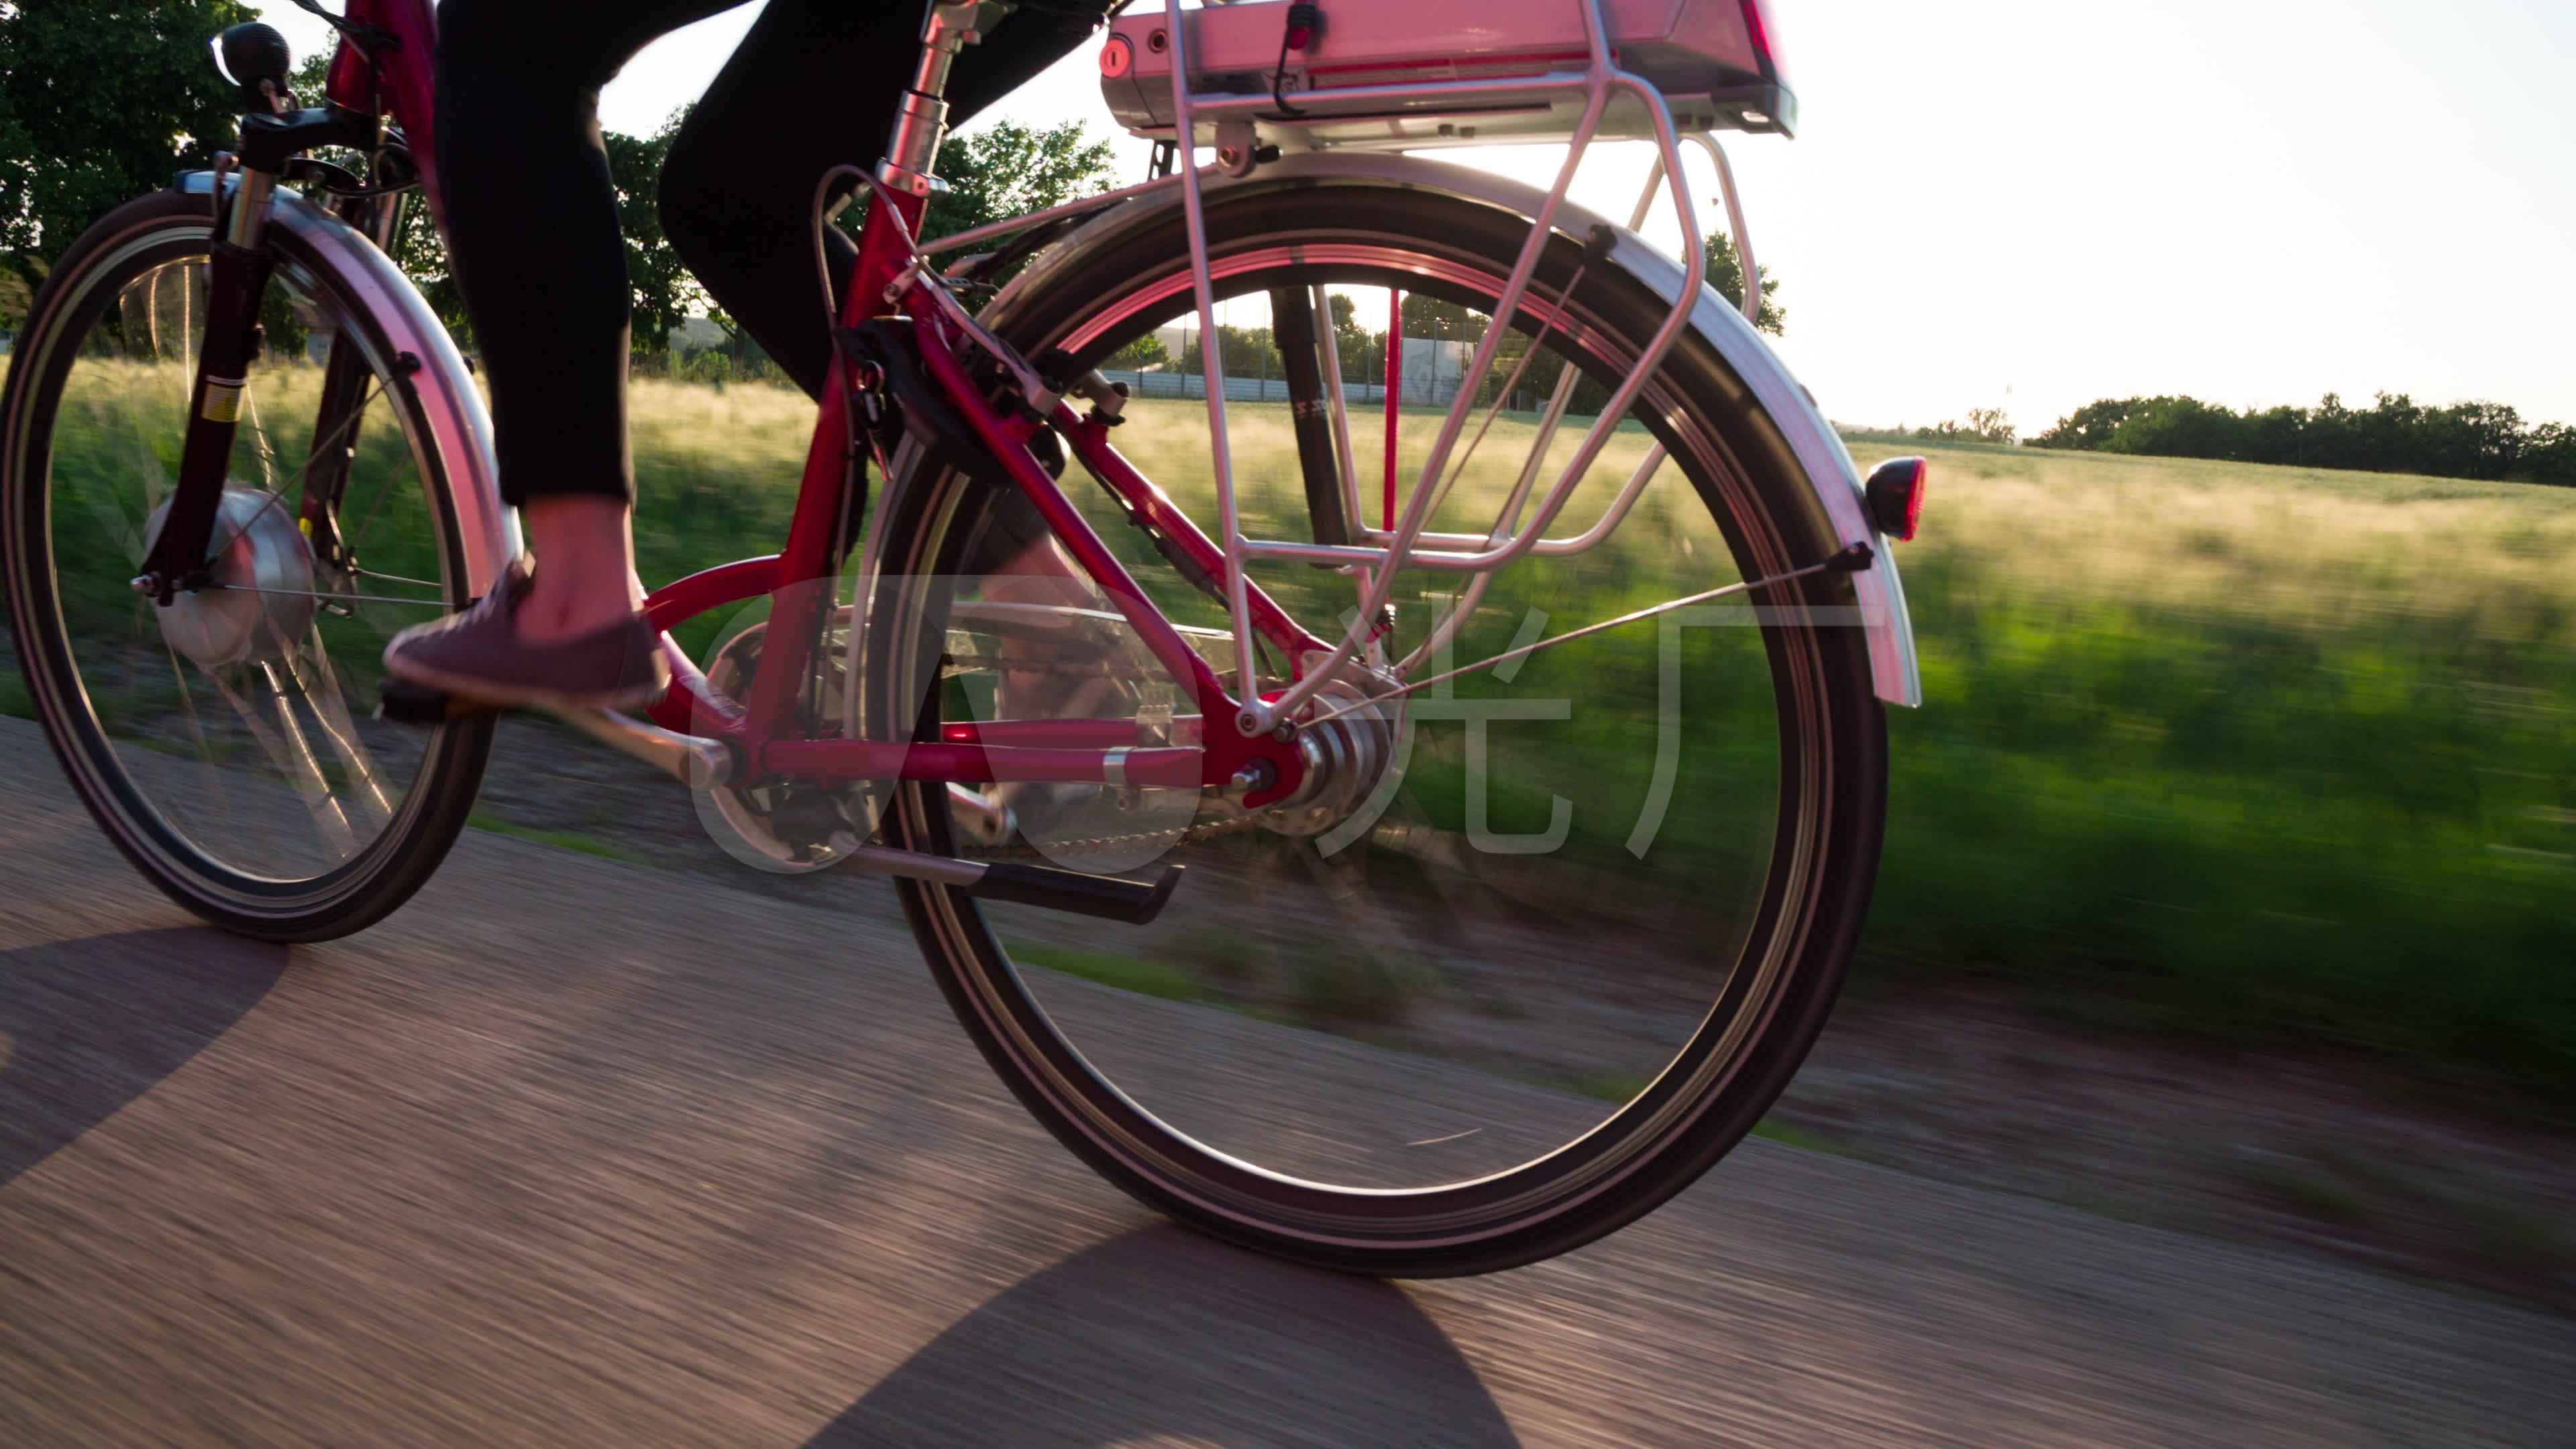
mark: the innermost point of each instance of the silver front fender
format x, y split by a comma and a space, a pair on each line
459, 428
1828, 466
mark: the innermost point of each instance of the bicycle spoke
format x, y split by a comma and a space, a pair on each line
213, 772
331, 712
398, 578
330, 596
284, 744
1500, 394
277, 495
1842, 561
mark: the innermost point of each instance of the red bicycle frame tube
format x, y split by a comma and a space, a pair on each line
766, 729
399, 82
1090, 442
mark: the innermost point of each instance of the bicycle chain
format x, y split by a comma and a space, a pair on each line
1186, 835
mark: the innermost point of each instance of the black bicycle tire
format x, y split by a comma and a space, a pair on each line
386, 873
1854, 806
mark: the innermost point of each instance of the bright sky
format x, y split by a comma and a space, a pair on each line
2036, 203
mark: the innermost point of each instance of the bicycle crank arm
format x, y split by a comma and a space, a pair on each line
1103, 896
700, 764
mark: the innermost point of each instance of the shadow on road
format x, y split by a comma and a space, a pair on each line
88, 1025
1161, 1336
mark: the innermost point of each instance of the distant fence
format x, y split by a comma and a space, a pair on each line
1165, 382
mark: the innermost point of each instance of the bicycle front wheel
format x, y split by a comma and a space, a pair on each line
225, 739
1569, 940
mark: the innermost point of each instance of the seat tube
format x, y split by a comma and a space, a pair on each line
921, 116
905, 184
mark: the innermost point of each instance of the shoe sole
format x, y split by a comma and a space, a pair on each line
501, 696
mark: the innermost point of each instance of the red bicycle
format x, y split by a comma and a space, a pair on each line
1470, 964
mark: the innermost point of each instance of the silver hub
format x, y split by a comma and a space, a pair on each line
1345, 756
262, 569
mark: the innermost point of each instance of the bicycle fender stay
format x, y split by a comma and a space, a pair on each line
1823, 460
459, 427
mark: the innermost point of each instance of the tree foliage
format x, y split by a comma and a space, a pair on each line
1144, 354
2395, 435
1001, 171
1983, 425
1726, 274
664, 290
1007, 169
1245, 351
100, 102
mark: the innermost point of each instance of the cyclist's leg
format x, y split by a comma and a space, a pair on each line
533, 231
813, 86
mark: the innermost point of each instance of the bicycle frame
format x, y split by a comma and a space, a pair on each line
1251, 747
764, 735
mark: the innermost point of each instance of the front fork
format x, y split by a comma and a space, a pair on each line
236, 281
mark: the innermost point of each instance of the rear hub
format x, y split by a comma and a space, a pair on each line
1345, 754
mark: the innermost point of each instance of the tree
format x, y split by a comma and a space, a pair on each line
1444, 321
1007, 169
2482, 440
100, 102
664, 290
1726, 274
18, 280
2179, 427
2549, 454
1144, 354
1360, 350
2471, 440
2090, 426
1245, 351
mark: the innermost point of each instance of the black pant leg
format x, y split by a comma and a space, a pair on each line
532, 225
814, 86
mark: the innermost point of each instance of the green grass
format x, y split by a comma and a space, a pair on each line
1789, 1134
2480, 1225
2262, 757
560, 839
1126, 973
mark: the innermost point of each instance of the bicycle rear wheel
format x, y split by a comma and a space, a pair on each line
225, 740
1594, 910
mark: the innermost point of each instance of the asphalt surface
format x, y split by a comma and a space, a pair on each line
574, 1153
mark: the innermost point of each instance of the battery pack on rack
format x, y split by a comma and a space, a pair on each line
1444, 72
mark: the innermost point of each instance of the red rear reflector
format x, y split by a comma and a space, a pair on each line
1895, 496
1758, 29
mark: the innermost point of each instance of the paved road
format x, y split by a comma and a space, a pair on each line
548, 1162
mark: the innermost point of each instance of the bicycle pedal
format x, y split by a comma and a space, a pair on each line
1104, 896
417, 704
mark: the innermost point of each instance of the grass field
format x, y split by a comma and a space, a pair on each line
2264, 757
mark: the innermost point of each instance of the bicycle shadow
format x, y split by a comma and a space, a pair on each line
1162, 1336
90, 1024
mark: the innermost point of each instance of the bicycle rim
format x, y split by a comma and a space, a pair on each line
226, 739
1578, 948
